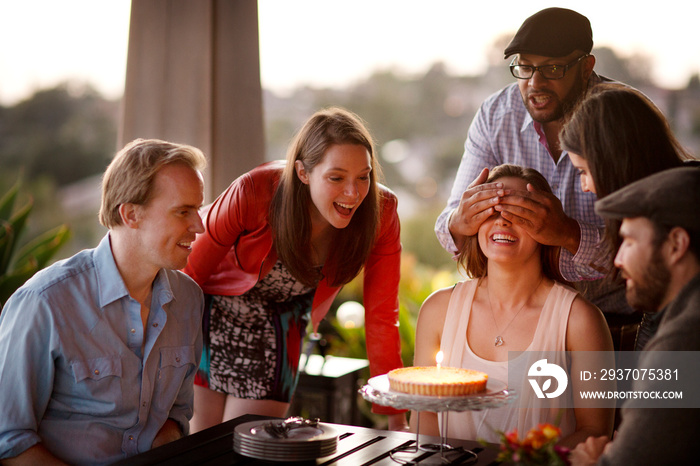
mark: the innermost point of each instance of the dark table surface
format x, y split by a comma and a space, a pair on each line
356, 446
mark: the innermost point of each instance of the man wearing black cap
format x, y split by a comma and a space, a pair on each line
660, 261
520, 125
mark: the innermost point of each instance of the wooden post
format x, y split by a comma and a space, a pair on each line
193, 76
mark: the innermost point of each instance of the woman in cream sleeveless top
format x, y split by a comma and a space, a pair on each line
515, 311
549, 341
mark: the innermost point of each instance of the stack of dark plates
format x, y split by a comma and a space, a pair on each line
275, 441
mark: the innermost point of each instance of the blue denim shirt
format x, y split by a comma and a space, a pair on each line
78, 370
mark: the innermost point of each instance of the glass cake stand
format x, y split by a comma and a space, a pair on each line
496, 395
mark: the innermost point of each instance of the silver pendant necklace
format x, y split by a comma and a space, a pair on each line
499, 341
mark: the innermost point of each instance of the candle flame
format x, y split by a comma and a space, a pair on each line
438, 358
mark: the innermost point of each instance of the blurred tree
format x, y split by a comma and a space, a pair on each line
418, 238
67, 133
634, 70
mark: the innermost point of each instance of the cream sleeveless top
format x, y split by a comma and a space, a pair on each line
549, 341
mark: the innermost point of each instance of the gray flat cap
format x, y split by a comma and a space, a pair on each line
670, 197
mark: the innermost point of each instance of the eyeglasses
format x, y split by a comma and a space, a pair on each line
547, 71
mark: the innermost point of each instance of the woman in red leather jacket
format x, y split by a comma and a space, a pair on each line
279, 244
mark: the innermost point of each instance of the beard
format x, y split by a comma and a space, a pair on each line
565, 106
650, 288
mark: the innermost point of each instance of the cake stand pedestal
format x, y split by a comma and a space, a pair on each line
496, 395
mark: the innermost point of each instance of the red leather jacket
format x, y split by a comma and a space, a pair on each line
236, 250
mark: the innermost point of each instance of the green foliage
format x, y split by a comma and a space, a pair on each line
418, 238
18, 263
417, 282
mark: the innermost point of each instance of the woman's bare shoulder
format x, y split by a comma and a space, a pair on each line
587, 329
437, 301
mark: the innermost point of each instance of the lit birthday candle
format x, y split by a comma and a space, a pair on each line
438, 359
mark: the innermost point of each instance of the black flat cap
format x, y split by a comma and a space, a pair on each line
552, 32
670, 197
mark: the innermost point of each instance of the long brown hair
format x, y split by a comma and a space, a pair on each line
289, 211
473, 259
624, 137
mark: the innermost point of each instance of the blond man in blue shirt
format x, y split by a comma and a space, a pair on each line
98, 352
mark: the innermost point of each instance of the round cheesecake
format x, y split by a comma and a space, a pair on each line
434, 381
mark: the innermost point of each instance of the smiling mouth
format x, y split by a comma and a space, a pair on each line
185, 244
503, 238
344, 209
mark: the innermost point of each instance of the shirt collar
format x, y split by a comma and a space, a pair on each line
527, 122
162, 287
111, 286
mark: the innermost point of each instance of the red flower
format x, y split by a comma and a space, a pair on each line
549, 431
537, 448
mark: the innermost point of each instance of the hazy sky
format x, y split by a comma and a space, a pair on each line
333, 42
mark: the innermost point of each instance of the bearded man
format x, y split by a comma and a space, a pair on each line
660, 261
520, 125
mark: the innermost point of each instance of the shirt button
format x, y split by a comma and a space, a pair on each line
143, 404
177, 359
97, 372
156, 324
131, 437
133, 330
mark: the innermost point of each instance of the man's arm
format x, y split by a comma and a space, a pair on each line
591, 261
28, 367
168, 433
32, 456
587, 453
